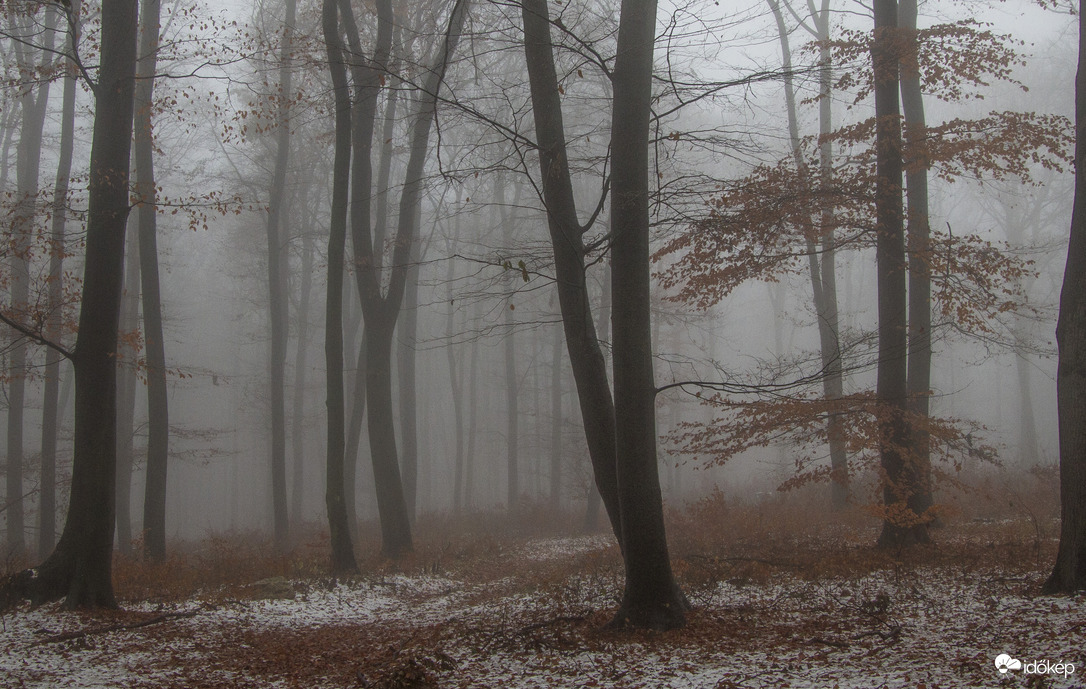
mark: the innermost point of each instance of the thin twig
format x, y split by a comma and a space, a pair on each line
68, 636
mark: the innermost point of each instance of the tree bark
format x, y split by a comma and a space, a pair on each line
342, 554
1069, 570
652, 597
158, 419
900, 482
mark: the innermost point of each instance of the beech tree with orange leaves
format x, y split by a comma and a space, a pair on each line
761, 227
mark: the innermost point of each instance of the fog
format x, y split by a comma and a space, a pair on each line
486, 293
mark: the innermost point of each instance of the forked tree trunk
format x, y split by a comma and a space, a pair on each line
651, 597
901, 483
342, 554
158, 420
380, 311
1069, 571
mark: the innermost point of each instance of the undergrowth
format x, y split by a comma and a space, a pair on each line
718, 538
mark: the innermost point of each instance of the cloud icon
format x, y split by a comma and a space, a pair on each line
1004, 663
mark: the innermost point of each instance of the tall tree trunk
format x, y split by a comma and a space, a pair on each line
829, 330
821, 245
80, 567
408, 399
128, 354
1069, 571
158, 420
379, 311
28, 163
277, 286
603, 327
456, 382
342, 554
512, 461
355, 420
50, 402
297, 416
1028, 444
918, 384
900, 482
556, 422
585, 355
473, 417
652, 597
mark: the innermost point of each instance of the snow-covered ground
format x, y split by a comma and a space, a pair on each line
921, 626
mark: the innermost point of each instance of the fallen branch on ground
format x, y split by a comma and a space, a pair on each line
68, 636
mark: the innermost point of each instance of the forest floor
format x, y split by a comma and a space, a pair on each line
782, 596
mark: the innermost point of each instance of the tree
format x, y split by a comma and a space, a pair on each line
343, 559
918, 245
81, 564
32, 103
651, 597
901, 480
1069, 571
567, 241
819, 239
277, 286
380, 308
47, 510
761, 227
128, 353
158, 421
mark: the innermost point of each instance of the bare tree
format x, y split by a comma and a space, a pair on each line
652, 597
1069, 571
158, 420
80, 567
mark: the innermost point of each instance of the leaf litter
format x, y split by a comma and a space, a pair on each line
540, 621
